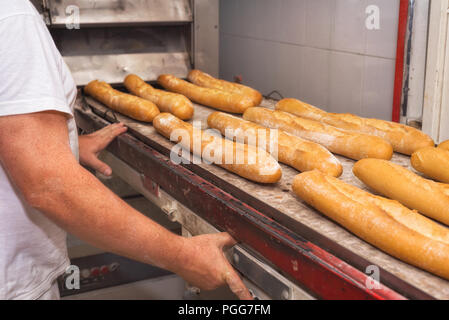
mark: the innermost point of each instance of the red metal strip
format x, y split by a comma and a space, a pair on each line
400, 58
311, 267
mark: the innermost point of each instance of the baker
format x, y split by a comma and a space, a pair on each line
45, 192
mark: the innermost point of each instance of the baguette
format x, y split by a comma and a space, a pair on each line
218, 99
291, 150
255, 164
127, 104
384, 223
205, 80
404, 139
444, 145
398, 183
351, 145
433, 162
173, 103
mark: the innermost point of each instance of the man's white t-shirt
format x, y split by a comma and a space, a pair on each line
33, 78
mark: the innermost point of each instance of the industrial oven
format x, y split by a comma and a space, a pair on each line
288, 250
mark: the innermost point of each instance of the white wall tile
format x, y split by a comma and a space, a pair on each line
315, 77
232, 18
234, 53
349, 31
319, 22
266, 19
258, 65
288, 75
301, 48
378, 88
227, 59
253, 13
292, 22
345, 89
383, 42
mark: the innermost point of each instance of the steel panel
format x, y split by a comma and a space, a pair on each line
105, 12
114, 68
207, 39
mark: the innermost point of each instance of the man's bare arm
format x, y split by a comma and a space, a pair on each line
35, 152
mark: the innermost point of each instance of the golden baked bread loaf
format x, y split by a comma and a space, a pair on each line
433, 162
349, 144
246, 161
127, 104
384, 223
404, 139
205, 80
298, 153
174, 103
398, 183
444, 145
218, 99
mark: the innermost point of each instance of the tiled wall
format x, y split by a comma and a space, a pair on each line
316, 50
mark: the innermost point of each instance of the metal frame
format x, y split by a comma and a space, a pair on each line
303, 262
436, 102
417, 48
118, 12
166, 37
206, 36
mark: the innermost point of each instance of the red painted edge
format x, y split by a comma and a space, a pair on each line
347, 271
400, 57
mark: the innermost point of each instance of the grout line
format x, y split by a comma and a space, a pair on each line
305, 46
362, 92
330, 58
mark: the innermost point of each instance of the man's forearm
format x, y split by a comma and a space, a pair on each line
82, 205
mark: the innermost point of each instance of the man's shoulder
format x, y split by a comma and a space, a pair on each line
10, 8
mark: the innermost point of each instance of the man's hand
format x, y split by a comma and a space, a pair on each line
92, 144
202, 263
